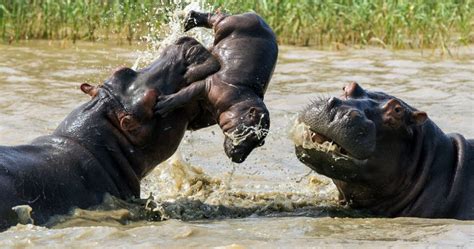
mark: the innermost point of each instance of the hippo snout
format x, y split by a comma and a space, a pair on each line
238, 158
237, 153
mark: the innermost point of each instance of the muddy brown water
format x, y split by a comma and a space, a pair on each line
271, 200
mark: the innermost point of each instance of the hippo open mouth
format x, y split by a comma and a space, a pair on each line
308, 139
386, 157
322, 140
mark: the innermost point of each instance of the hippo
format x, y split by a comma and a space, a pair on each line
106, 145
386, 157
247, 50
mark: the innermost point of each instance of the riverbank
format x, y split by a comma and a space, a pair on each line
393, 24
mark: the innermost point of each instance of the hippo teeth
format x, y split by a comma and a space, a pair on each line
327, 144
318, 138
303, 136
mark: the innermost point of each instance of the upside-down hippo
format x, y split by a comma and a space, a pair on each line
106, 145
247, 50
387, 157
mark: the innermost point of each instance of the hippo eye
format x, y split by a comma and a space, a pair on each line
398, 109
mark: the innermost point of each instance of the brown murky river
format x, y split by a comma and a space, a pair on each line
272, 200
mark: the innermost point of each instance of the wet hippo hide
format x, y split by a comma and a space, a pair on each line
247, 50
106, 145
386, 156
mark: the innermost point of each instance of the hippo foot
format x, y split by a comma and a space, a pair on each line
190, 21
196, 19
24, 214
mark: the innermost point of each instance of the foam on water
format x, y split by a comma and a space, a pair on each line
177, 184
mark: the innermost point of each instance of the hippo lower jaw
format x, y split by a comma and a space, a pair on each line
237, 149
242, 139
308, 140
237, 157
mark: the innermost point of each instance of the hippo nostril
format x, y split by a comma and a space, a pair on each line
354, 114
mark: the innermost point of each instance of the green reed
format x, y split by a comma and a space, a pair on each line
79, 19
396, 23
400, 24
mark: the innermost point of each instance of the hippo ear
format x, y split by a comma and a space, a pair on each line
393, 113
419, 117
129, 123
88, 89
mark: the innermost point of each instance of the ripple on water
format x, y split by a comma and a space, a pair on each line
294, 232
37, 93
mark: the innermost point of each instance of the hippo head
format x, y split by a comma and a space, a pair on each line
130, 96
361, 137
179, 64
133, 115
245, 126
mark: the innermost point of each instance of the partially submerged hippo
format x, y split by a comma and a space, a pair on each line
387, 157
106, 145
247, 50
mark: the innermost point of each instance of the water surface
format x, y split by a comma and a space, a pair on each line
281, 202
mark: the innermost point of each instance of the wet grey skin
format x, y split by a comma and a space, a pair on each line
247, 50
106, 145
390, 158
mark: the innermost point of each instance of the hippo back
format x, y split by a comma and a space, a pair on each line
247, 49
51, 175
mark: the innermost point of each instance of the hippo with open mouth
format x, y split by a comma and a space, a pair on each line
247, 50
106, 145
387, 157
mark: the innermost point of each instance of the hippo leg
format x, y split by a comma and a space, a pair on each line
168, 103
196, 19
8, 216
204, 119
202, 70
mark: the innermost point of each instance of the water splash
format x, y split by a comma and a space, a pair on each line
180, 190
175, 179
184, 191
238, 136
161, 36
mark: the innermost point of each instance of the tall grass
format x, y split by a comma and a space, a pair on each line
396, 23
80, 19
